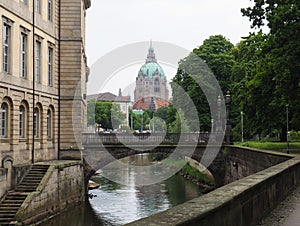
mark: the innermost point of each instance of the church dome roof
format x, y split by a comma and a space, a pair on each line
151, 67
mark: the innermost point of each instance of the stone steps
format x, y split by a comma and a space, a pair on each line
14, 199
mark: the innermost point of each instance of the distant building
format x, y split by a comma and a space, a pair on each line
123, 101
151, 90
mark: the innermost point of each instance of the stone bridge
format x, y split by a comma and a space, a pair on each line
228, 163
98, 157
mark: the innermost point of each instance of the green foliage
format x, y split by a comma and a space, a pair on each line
272, 146
106, 114
274, 80
194, 173
214, 57
179, 125
140, 121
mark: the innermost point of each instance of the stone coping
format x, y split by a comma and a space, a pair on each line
264, 151
197, 210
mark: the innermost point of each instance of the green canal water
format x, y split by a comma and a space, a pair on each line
115, 204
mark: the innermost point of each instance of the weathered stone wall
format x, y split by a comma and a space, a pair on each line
72, 73
3, 181
242, 161
241, 203
62, 186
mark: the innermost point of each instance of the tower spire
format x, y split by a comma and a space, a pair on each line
151, 55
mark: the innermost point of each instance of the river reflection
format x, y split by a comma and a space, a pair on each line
117, 204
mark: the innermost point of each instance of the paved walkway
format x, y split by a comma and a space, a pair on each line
287, 213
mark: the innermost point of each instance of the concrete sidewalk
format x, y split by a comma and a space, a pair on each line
287, 213
294, 218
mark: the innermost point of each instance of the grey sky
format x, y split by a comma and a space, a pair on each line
186, 23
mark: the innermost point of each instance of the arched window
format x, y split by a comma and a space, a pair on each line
22, 122
36, 123
4, 120
49, 124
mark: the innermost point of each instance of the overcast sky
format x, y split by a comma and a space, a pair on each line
186, 23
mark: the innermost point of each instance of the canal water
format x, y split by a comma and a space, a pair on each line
115, 204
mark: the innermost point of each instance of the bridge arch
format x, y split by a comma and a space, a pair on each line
97, 157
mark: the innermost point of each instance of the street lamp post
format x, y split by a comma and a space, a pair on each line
287, 129
242, 125
228, 123
218, 123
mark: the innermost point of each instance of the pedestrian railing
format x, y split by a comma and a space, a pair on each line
144, 138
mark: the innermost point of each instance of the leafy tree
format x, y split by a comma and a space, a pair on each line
117, 116
179, 125
277, 77
139, 120
213, 57
106, 114
216, 51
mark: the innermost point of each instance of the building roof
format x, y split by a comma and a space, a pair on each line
140, 105
107, 96
161, 103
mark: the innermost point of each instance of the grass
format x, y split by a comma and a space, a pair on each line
194, 173
294, 147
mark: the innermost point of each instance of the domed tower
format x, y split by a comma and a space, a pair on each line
151, 84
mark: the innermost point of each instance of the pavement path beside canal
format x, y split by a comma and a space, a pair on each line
287, 213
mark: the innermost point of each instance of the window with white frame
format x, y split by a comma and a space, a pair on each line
22, 122
38, 61
36, 122
4, 120
23, 55
6, 47
50, 66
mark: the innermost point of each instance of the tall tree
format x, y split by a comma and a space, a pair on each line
279, 66
213, 57
106, 114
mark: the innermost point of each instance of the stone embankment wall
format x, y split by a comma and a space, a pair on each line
242, 161
61, 187
241, 203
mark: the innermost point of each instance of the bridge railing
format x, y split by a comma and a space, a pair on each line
144, 138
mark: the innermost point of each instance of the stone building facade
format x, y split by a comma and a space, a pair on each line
151, 84
43, 73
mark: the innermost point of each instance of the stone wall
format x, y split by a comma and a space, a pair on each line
241, 203
242, 161
3, 181
61, 187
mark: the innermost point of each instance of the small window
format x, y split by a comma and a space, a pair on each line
49, 124
36, 122
38, 62
22, 122
4, 120
38, 6
23, 55
24, 1
50, 66
6, 47
50, 10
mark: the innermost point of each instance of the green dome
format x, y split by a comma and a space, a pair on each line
150, 68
